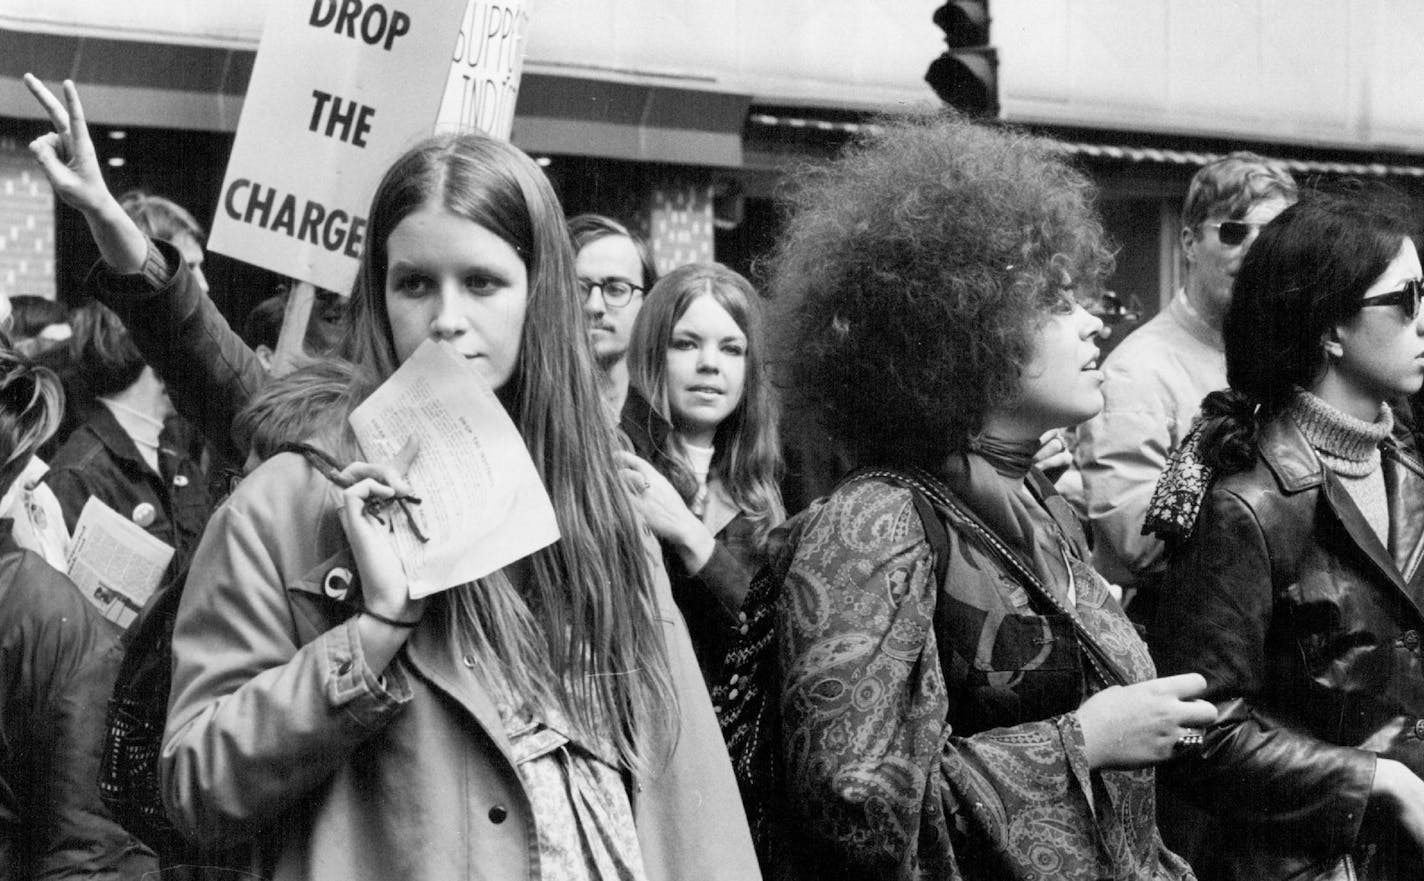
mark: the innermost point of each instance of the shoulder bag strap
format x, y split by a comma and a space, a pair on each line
922, 483
319, 459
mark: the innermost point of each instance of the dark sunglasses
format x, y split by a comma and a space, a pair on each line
1233, 232
1406, 297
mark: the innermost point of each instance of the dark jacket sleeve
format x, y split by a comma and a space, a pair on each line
210, 372
1215, 618
77, 655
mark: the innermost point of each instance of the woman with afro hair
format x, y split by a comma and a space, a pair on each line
966, 699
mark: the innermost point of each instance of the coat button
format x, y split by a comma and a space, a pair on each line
343, 668
1419, 728
498, 814
337, 583
1411, 639
470, 661
144, 514
180, 480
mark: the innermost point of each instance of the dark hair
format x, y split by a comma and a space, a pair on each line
1229, 186
917, 268
33, 314
101, 351
587, 228
748, 455
31, 406
1305, 274
263, 325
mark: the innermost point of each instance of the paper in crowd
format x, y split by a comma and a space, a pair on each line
114, 562
482, 505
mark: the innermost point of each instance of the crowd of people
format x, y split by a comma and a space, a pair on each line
946, 684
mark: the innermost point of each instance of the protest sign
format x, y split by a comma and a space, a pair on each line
339, 90
484, 76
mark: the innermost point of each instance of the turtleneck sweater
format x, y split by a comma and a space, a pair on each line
1350, 448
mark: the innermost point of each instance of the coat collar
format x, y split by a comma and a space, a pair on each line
1296, 468
721, 510
112, 436
439, 661
1289, 456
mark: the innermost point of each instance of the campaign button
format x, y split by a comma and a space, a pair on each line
144, 514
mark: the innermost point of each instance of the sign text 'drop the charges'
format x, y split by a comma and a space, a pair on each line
340, 89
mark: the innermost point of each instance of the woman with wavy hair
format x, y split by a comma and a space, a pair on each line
960, 694
697, 358
1293, 585
545, 721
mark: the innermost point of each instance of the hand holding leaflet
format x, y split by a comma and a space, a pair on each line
482, 503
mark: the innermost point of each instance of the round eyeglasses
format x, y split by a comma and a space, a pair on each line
616, 292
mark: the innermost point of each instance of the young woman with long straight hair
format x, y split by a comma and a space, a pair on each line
545, 721
697, 358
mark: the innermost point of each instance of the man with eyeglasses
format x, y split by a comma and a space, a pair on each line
615, 271
1155, 380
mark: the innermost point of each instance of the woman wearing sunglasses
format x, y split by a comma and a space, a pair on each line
1296, 590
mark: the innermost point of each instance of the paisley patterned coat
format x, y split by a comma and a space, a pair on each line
944, 744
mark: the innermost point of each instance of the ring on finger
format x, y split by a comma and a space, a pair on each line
1192, 739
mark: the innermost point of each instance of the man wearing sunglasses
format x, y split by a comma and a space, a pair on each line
1155, 380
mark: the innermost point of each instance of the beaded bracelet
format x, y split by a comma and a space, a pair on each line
394, 622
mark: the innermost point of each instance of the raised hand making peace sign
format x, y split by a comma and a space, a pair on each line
69, 161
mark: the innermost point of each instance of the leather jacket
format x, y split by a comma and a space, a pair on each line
1308, 631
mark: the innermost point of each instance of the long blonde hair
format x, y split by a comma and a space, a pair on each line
747, 461
583, 632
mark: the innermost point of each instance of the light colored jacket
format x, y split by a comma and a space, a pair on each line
280, 737
1153, 387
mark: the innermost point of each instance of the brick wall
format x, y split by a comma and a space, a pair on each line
26, 223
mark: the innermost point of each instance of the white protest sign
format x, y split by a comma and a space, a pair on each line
484, 75
339, 90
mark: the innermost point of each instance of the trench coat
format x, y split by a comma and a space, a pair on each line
283, 744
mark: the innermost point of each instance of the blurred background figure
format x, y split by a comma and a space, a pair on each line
1154, 381
38, 325
164, 219
58, 658
120, 454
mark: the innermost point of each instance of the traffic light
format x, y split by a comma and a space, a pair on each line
966, 77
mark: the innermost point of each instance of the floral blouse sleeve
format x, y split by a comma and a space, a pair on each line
880, 781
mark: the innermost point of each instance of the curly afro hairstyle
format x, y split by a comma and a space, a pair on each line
914, 271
